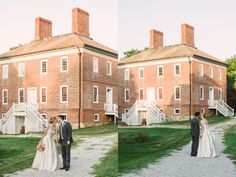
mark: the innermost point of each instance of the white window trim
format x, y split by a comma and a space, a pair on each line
19, 89
109, 74
95, 70
95, 86
179, 93
160, 66
3, 96
98, 118
125, 95
64, 114
175, 109
3, 73
139, 69
220, 97
19, 69
175, 69
64, 58
139, 93
211, 72
203, 112
127, 74
201, 70
158, 96
42, 67
41, 101
201, 98
66, 95
219, 74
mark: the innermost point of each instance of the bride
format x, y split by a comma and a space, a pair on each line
46, 157
207, 143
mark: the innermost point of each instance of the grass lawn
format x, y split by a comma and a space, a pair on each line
211, 120
140, 146
109, 164
230, 142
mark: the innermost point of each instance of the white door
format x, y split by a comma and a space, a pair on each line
32, 95
109, 100
211, 96
151, 94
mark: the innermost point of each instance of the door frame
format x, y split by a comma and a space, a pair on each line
154, 90
28, 89
211, 92
111, 95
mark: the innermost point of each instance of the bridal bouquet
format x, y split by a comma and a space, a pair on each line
41, 147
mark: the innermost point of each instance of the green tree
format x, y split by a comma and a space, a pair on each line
231, 81
132, 52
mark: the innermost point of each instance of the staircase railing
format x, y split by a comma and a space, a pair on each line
222, 107
113, 109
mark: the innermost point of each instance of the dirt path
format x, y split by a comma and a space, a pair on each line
84, 157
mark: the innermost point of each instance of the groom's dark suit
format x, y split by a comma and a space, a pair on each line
195, 133
65, 136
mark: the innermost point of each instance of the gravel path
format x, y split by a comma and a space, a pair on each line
181, 164
87, 154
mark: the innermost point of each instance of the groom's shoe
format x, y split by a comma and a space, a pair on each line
66, 169
63, 168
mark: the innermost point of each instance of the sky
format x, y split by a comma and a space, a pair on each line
125, 24
17, 19
214, 22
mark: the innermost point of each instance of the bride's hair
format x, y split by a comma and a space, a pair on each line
52, 120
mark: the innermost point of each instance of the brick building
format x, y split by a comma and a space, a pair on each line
70, 74
171, 82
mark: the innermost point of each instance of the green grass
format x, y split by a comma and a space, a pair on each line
109, 164
230, 142
16, 153
140, 146
211, 120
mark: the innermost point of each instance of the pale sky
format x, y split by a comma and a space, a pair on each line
214, 22
17, 19
125, 24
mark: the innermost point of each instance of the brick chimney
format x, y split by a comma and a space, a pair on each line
156, 39
187, 35
80, 22
43, 28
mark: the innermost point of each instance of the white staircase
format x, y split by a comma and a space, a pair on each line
34, 121
153, 113
222, 107
111, 109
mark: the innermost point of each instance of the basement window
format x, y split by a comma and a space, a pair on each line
177, 111
96, 117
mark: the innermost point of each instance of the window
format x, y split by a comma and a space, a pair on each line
177, 69
126, 110
160, 71
126, 74
141, 73
201, 93
177, 111
109, 68
21, 95
4, 96
96, 117
21, 69
201, 70
64, 115
43, 95
95, 94
127, 94
219, 74
211, 71
141, 92
44, 116
64, 94
220, 94
64, 64
177, 93
160, 93
202, 110
95, 65
44, 67
5, 71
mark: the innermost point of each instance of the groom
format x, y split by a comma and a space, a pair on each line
65, 139
195, 133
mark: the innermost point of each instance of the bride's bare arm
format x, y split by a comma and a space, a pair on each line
44, 134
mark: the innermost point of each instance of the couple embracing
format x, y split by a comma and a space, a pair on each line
47, 157
203, 144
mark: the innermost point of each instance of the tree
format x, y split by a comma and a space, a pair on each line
231, 81
132, 52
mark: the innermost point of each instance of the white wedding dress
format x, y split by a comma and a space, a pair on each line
206, 146
48, 159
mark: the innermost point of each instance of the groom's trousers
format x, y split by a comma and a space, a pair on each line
195, 142
65, 152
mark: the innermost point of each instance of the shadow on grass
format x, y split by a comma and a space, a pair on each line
230, 142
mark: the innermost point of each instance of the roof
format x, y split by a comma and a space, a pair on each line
172, 51
57, 42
